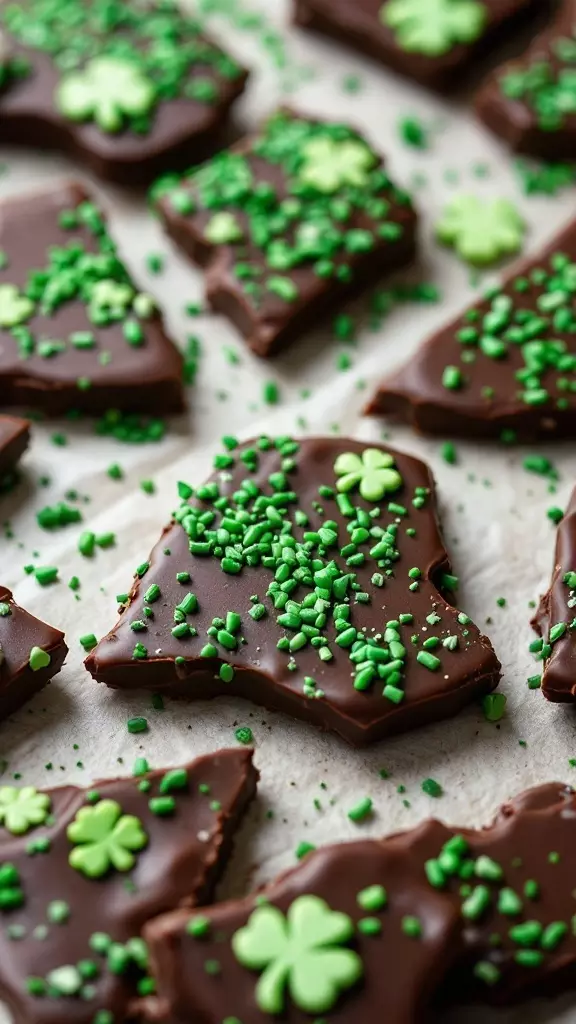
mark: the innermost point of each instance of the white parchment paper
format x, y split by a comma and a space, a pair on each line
494, 512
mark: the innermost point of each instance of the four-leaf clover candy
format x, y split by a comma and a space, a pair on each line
481, 232
108, 91
32, 651
434, 27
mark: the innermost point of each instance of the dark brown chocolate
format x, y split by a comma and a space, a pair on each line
555, 619
504, 368
82, 871
431, 43
31, 654
527, 101
375, 649
14, 440
75, 333
128, 91
288, 224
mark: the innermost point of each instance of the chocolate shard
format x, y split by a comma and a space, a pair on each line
555, 619
522, 100
504, 368
75, 333
432, 45
391, 939
288, 224
31, 654
83, 871
14, 440
128, 91
308, 576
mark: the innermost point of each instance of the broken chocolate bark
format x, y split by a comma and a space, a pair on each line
288, 224
31, 654
555, 619
129, 91
531, 101
309, 576
14, 440
506, 367
81, 871
430, 41
75, 333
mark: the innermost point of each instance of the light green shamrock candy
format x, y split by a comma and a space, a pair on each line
329, 165
481, 232
107, 91
22, 809
15, 308
103, 837
298, 952
109, 301
373, 472
434, 27
223, 228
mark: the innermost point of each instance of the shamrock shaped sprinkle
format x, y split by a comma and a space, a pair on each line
103, 837
481, 232
434, 27
22, 809
15, 308
107, 91
223, 228
298, 952
373, 471
329, 165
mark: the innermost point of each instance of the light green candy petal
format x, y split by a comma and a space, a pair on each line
348, 482
129, 833
316, 981
373, 458
91, 860
271, 987
262, 940
348, 462
75, 98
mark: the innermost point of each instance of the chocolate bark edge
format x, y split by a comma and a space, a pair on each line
14, 440
557, 607
20, 633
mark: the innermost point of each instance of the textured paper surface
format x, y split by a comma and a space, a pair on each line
494, 515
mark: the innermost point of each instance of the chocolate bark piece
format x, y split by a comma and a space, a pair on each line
527, 101
14, 440
288, 224
308, 576
353, 934
504, 368
127, 90
75, 333
555, 619
82, 871
431, 42
31, 654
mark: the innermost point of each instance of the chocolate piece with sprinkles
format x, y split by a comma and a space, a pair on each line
354, 933
433, 42
31, 654
531, 101
81, 871
14, 440
506, 367
555, 619
308, 576
288, 224
75, 333
130, 91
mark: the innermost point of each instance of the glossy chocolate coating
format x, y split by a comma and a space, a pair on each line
558, 605
180, 865
14, 440
146, 378
400, 972
262, 671
358, 23
415, 393
513, 119
19, 633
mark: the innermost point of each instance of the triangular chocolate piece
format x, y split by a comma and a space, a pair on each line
555, 619
14, 440
31, 654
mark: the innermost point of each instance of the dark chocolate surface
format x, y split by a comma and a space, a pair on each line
184, 853
296, 679
162, 102
288, 224
20, 632
67, 308
514, 355
14, 440
558, 609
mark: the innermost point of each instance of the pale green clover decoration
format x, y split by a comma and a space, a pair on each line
329, 165
103, 837
223, 229
434, 27
22, 809
108, 90
299, 952
372, 472
15, 308
481, 232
